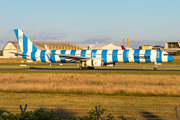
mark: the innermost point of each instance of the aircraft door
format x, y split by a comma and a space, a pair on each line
159, 56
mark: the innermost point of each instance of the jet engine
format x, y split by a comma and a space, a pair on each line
95, 62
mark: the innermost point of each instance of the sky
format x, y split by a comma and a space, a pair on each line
144, 22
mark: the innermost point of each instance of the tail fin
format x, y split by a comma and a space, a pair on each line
123, 48
25, 44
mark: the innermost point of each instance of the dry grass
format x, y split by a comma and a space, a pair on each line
176, 58
91, 83
11, 60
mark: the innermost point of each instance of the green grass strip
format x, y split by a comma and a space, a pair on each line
97, 72
120, 93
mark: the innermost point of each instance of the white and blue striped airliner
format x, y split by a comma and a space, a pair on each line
88, 58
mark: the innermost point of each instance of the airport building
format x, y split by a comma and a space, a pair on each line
146, 47
158, 47
149, 47
172, 47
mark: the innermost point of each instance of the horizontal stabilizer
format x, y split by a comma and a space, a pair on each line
19, 54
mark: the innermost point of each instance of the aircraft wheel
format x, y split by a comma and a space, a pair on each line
84, 68
90, 68
155, 68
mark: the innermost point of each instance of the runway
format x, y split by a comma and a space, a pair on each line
77, 70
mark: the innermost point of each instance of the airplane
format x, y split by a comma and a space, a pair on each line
88, 59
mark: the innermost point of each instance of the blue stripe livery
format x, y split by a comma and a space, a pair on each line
42, 56
16, 33
34, 48
24, 53
63, 52
52, 57
93, 53
136, 56
115, 55
83, 53
73, 52
25, 43
104, 55
148, 55
170, 58
125, 55
33, 57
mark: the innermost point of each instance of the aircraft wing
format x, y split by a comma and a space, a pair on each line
77, 58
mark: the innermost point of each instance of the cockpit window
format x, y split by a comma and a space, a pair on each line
166, 54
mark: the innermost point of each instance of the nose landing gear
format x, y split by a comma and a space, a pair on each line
156, 65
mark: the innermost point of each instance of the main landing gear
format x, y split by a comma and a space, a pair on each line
90, 68
155, 68
84, 67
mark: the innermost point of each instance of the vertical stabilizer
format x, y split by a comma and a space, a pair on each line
123, 48
25, 44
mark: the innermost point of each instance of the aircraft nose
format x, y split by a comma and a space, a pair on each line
170, 58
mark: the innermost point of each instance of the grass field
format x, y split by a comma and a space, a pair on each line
80, 104
132, 94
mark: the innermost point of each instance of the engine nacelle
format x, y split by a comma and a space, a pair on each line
95, 62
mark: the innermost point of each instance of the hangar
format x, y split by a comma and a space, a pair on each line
99, 46
13, 46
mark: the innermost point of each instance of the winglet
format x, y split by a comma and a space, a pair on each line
123, 48
47, 49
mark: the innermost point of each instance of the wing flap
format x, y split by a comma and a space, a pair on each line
77, 58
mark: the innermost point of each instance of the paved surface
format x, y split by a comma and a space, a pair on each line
75, 69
